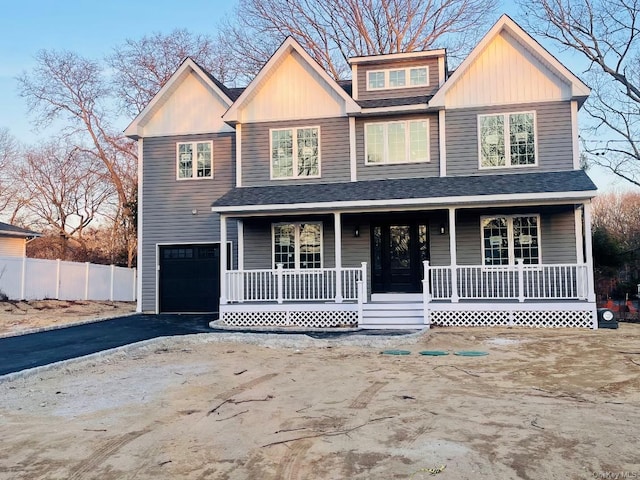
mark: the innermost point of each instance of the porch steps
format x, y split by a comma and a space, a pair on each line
392, 315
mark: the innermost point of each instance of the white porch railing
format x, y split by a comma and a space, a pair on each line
285, 285
520, 282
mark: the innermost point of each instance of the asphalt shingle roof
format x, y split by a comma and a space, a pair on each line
394, 102
13, 231
409, 188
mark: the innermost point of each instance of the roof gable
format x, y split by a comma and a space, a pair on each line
7, 229
290, 85
191, 102
508, 66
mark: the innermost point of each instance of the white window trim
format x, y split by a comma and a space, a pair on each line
407, 132
295, 152
194, 161
297, 243
407, 76
510, 238
507, 141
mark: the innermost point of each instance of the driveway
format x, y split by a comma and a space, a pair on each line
42, 348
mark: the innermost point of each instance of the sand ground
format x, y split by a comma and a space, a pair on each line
543, 404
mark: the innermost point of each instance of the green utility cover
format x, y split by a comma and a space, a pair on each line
395, 352
471, 353
434, 353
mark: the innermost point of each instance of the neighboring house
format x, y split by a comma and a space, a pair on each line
13, 240
405, 197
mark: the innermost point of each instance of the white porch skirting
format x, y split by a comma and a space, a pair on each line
309, 315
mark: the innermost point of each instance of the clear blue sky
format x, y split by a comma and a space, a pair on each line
94, 28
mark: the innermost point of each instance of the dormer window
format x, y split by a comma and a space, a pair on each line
398, 78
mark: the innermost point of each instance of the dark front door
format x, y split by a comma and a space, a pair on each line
189, 278
398, 249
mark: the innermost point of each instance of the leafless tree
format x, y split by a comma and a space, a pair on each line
142, 67
334, 30
64, 190
619, 215
606, 34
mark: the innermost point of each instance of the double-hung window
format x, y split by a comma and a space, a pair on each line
510, 237
297, 245
295, 152
195, 160
507, 140
397, 142
398, 78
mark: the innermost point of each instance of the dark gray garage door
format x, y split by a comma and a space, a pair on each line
189, 278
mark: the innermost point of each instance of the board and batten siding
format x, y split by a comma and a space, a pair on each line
557, 233
168, 203
398, 170
553, 138
12, 247
363, 68
334, 151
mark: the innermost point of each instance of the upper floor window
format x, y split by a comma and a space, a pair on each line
202, 167
398, 78
297, 245
397, 142
507, 238
507, 140
295, 152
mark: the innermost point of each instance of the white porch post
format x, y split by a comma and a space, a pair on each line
579, 237
591, 293
426, 294
223, 259
454, 255
337, 233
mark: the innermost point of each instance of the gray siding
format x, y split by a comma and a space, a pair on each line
363, 94
557, 234
168, 203
553, 137
405, 170
334, 151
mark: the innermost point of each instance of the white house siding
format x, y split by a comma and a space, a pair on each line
363, 68
557, 233
405, 170
553, 138
334, 151
12, 247
168, 203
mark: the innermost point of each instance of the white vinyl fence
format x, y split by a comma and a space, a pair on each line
37, 279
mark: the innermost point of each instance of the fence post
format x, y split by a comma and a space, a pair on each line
426, 294
86, 281
279, 279
113, 270
365, 280
360, 287
520, 262
58, 279
23, 281
135, 283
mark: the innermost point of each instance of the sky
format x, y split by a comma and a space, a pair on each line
93, 28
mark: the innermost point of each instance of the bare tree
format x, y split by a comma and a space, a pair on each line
142, 67
619, 215
334, 30
606, 34
70, 89
8, 152
64, 190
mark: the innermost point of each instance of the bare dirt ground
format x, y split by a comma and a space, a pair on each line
17, 316
544, 404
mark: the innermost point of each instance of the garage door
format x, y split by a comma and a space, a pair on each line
189, 278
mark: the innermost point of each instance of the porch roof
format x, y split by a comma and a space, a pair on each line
431, 191
8, 230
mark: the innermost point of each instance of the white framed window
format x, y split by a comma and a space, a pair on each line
507, 140
391, 78
297, 245
506, 238
295, 152
405, 141
194, 160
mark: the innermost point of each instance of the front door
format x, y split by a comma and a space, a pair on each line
398, 249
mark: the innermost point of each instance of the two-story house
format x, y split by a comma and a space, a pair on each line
406, 197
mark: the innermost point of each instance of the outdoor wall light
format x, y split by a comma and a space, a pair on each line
194, 211
356, 232
442, 229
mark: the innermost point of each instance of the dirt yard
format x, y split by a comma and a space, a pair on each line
18, 317
543, 404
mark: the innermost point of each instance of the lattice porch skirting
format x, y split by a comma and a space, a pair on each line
289, 316
572, 315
